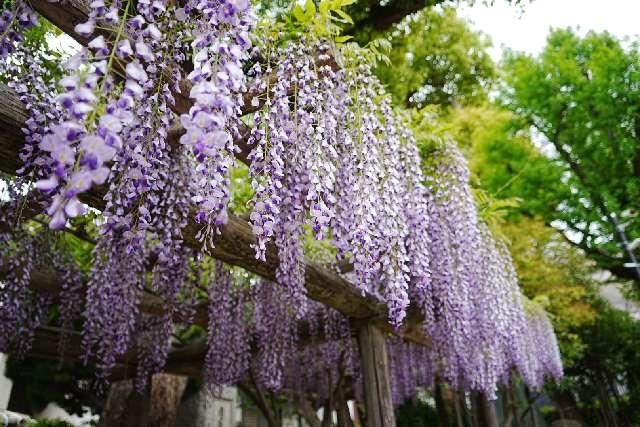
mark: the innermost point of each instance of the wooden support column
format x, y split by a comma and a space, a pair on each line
375, 373
484, 411
460, 407
441, 407
489, 411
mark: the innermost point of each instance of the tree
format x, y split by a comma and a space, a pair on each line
437, 59
504, 161
582, 95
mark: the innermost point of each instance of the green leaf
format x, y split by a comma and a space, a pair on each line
342, 39
298, 13
345, 17
310, 9
324, 7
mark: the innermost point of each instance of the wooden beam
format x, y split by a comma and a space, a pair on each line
233, 245
374, 364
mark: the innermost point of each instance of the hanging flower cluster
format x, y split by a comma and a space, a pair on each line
275, 328
228, 352
410, 367
24, 309
294, 155
541, 348
474, 309
327, 361
220, 47
14, 22
318, 127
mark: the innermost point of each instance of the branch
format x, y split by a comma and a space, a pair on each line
380, 18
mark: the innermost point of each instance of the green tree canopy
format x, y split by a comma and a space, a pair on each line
582, 95
437, 59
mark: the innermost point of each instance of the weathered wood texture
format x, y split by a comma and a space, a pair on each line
125, 407
374, 364
232, 246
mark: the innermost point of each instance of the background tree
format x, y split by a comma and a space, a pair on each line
582, 96
437, 59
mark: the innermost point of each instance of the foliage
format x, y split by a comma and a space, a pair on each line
610, 364
582, 95
49, 423
437, 59
417, 412
505, 163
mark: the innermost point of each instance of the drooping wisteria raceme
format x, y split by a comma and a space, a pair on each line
228, 340
276, 333
294, 154
72, 295
302, 146
23, 309
14, 22
221, 45
541, 348
448, 307
327, 361
410, 368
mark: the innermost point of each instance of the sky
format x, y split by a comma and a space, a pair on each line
525, 28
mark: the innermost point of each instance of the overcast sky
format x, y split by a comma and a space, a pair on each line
525, 28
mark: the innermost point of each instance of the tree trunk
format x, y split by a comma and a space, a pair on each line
484, 411
567, 406
605, 402
166, 395
308, 413
253, 391
327, 415
342, 407
20, 399
513, 417
375, 373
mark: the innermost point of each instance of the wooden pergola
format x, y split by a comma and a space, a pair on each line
367, 315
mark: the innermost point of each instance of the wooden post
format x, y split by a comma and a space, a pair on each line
484, 411
125, 407
489, 412
375, 372
459, 405
441, 407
